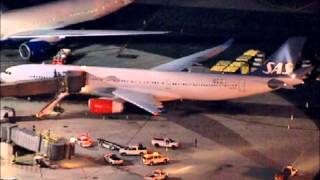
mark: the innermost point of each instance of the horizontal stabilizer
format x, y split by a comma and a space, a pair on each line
302, 73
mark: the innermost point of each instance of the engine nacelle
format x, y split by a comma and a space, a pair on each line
34, 50
104, 106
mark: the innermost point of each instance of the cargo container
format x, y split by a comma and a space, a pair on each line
244, 64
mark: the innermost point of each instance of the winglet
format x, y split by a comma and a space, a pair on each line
228, 43
209, 53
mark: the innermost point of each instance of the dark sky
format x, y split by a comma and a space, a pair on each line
299, 5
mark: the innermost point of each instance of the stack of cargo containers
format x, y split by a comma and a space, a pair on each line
258, 60
220, 66
244, 64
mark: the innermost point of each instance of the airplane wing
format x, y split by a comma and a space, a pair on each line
188, 61
144, 101
80, 33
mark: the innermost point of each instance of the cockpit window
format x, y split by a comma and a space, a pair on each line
7, 72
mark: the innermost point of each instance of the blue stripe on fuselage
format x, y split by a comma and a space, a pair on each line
11, 43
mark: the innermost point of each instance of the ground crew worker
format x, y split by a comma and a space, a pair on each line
195, 142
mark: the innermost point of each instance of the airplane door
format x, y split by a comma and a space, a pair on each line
242, 85
168, 84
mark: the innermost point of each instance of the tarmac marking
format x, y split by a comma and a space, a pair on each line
219, 133
137, 132
265, 123
85, 174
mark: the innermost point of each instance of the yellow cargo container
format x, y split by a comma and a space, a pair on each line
241, 64
231, 69
244, 58
224, 62
220, 66
245, 68
236, 64
251, 52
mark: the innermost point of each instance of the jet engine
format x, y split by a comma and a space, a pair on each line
34, 50
276, 84
105, 106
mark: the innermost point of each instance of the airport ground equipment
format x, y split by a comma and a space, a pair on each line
85, 141
286, 173
134, 150
72, 82
109, 145
54, 147
113, 159
150, 153
157, 174
43, 161
26, 160
248, 62
61, 57
165, 142
7, 114
34, 159
49, 108
155, 158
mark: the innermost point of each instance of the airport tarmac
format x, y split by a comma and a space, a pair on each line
248, 138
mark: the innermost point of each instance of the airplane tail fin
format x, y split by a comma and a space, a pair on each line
297, 77
283, 61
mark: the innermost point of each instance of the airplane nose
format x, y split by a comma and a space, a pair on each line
2, 77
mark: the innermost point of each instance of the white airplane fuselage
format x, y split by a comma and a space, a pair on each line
164, 86
56, 15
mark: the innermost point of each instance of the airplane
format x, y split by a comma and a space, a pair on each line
147, 89
38, 26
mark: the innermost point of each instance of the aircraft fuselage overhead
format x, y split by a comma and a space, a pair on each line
37, 28
56, 15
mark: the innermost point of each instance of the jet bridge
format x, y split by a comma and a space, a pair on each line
72, 82
62, 86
